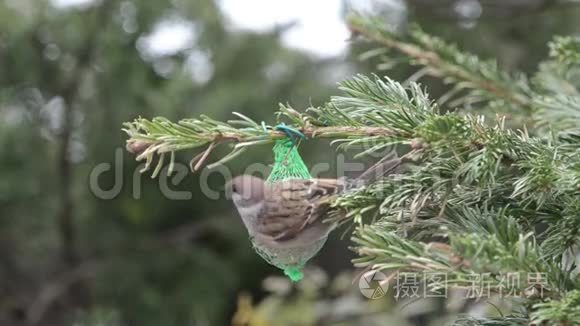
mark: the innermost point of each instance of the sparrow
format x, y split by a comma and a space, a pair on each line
284, 219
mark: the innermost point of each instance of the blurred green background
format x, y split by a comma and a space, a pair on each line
72, 71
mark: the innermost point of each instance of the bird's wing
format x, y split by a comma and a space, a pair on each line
294, 205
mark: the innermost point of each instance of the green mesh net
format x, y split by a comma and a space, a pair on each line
294, 273
288, 165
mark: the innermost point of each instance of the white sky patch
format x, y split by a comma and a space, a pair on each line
319, 28
319, 25
72, 3
199, 66
169, 37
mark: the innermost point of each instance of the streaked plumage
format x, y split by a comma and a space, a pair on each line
285, 219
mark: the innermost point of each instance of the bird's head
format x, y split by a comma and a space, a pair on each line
245, 190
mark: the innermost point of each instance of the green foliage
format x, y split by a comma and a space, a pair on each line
498, 321
473, 80
565, 49
155, 261
161, 261
556, 312
477, 197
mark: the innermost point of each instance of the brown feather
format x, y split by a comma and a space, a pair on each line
303, 204
295, 205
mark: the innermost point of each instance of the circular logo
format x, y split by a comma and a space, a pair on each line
373, 284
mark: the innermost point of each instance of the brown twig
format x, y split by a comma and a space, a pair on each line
69, 92
54, 290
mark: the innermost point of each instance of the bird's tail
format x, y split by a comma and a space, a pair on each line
387, 165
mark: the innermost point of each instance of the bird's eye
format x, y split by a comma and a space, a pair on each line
234, 188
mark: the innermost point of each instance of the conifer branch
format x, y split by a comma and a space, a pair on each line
479, 198
465, 256
512, 320
159, 135
447, 62
565, 49
565, 311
